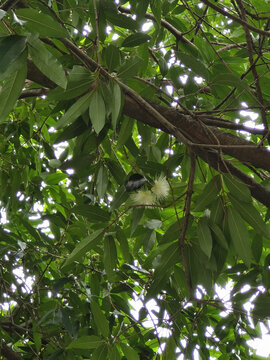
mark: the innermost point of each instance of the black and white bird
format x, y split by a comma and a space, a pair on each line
135, 182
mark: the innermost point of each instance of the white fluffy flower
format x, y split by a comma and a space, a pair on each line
143, 197
161, 188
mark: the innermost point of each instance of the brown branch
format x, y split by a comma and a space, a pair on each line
33, 93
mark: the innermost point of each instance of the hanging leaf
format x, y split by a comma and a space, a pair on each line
47, 63
97, 111
194, 64
12, 87
205, 238
76, 110
10, 49
110, 257
99, 319
129, 353
112, 57
240, 191
102, 181
116, 103
239, 236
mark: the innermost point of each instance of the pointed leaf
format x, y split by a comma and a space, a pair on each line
100, 319
85, 245
239, 236
251, 215
91, 212
97, 111
41, 23
10, 49
85, 342
209, 195
116, 103
130, 68
102, 181
48, 64
77, 109
240, 191
112, 57
191, 62
12, 87
136, 39
205, 238
110, 257
121, 20
129, 353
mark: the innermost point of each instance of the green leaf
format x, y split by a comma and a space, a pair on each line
10, 49
168, 259
99, 319
79, 80
262, 306
86, 342
219, 236
100, 353
92, 212
85, 245
156, 9
12, 87
194, 64
125, 131
205, 238
116, 103
102, 181
97, 111
136, 39
240, 191
110, 257
77, 109
130, 68
129, 353
43, 24
112, 57
252, 216
120, 197
54, 179
239, 236
121, 21
47, 63
208, 195
136, 216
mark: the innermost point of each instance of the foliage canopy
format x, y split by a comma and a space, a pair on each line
91, 93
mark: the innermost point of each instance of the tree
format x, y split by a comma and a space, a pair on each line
93, 92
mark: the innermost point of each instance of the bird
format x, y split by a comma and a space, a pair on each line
135, 182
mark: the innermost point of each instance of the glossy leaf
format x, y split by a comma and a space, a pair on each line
77, 109
100, 319
10, 49
205, 238
97, 111
239, 236
41, 23
47, 63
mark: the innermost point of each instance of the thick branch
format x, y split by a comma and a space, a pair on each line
241, 149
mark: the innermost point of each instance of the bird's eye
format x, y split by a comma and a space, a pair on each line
135, 182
